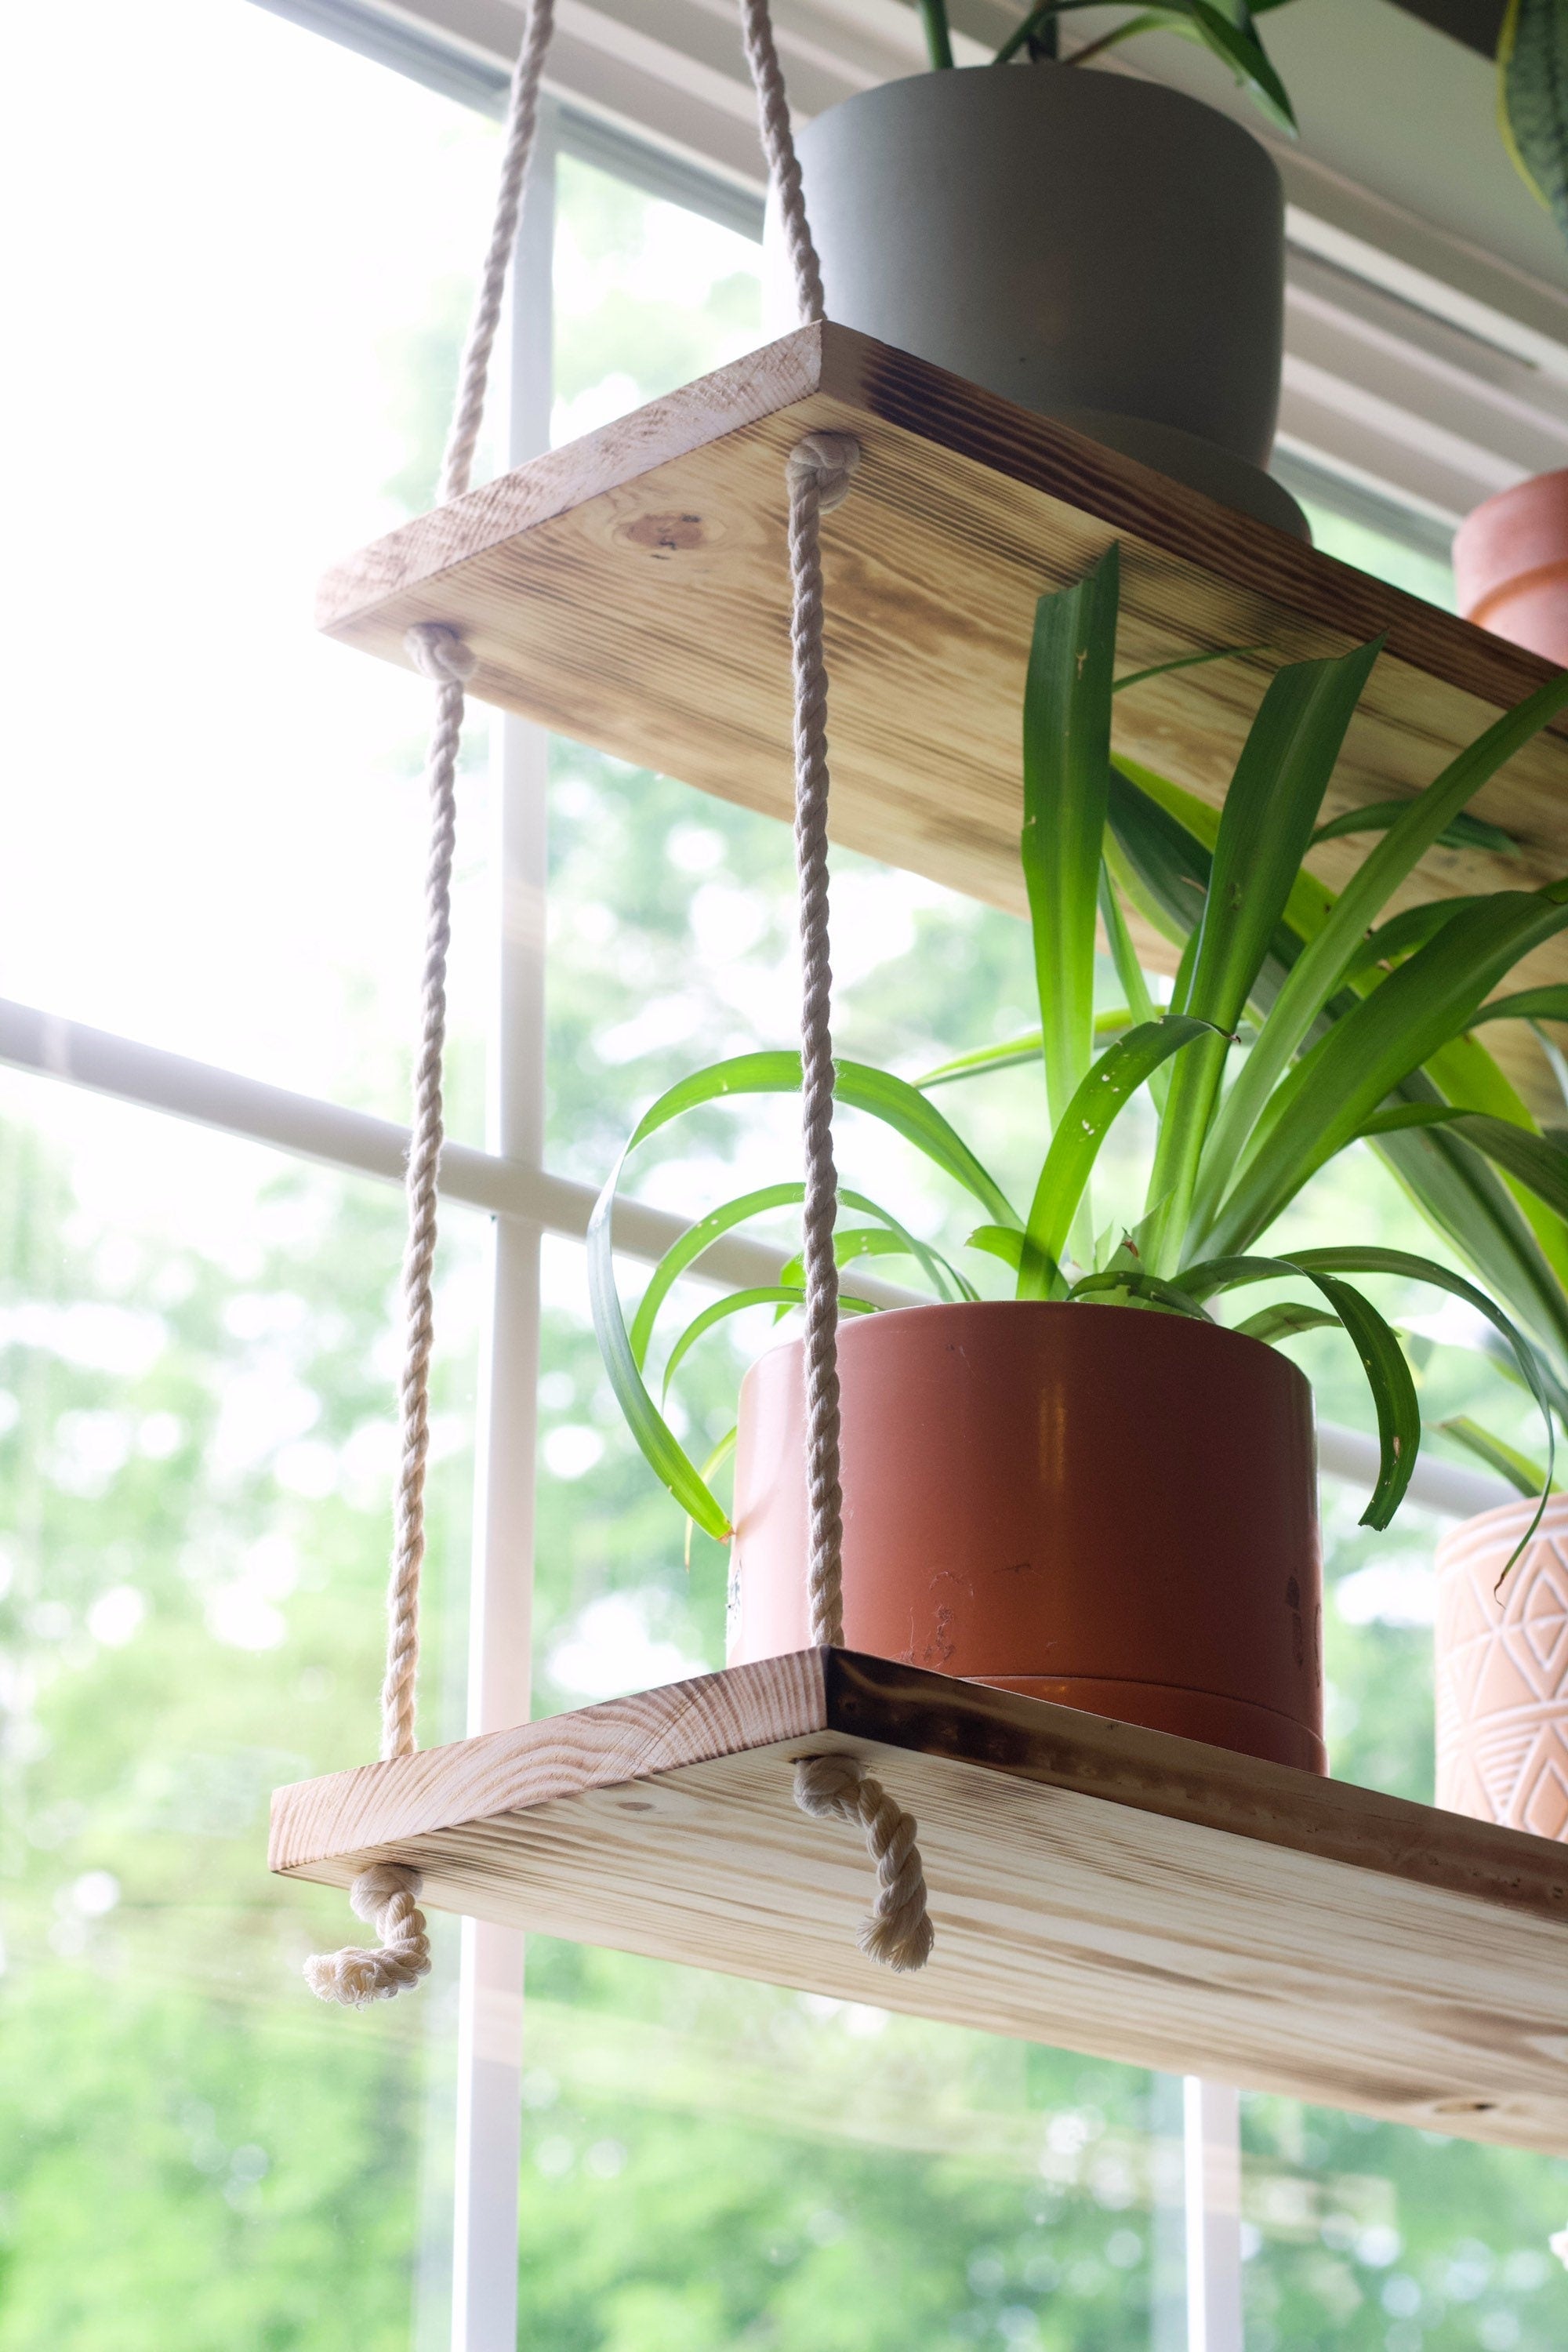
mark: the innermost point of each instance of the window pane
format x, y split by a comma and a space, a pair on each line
195, 1399
236, 314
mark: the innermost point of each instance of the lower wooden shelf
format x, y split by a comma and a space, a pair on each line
1093, 1885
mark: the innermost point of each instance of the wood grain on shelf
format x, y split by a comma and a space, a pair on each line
630, 590
1093, 1885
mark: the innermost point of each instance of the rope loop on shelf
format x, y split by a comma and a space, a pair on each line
386, 1897
896, 1931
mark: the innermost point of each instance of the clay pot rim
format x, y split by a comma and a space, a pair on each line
1106, 90
1205, 1334
1501, 1514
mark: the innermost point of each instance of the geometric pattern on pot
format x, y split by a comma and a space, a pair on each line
1503, 1671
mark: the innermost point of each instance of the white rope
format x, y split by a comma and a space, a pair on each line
898, 1931
386, 1896
783, 168
521, 126
818, 471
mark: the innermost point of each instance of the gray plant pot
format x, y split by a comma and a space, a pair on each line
1100, 249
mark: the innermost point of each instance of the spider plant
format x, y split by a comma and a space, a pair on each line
1225, 27
1360, 1024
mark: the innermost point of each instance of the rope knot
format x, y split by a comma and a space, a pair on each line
897, 1932
440, 653
828, 458
386, 1897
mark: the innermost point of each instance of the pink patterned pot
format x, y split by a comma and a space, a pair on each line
1502, 1670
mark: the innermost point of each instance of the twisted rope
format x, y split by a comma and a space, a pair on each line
898, 1931
521, 126
783, 168
819, 472
386, 1897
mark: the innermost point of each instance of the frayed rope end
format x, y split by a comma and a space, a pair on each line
386, 1897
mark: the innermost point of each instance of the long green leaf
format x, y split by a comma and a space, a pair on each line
1067, 773
1548, 1003
1526, 1477
1335, 1090
1463, 832
736, 1302
1246, 57
1382, 1360
696, 1238
1266, 822
1404, 933
1286, 1321
1132, 1282
1541, 1166
1075, 1146
1182, 661
888, 1239
857, 1087
1318, 971
1221, 1274
661, 1449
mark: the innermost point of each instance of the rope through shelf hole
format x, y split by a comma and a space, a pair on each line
818, 474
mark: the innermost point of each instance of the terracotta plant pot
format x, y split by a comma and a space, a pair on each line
1110, 1508
1089, 245
1510, 565
1502, 1670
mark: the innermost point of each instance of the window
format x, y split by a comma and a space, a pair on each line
220, 853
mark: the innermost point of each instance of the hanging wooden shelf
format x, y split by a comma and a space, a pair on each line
630, 590
1093, 1885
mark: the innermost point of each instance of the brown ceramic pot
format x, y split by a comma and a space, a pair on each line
1111, 1508
1510, 565
1502, 1670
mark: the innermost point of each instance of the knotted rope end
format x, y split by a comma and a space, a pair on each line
828, 458
386, 1897
896, 1933
440, 653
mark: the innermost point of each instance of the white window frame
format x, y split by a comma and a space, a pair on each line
509, 1181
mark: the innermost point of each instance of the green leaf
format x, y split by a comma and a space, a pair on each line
1067, 773
1318, 971
1005, 1242
1540, 1166
1264, 828
887, 1240
1404, 933
1182, 661
696, 1238
858, 1086
1375, 1342
737, 1302
1132, 1282
660, 1448
1110, 1084
1463, 832
1247, 60
1221, 1274
1527, 1477
709, 1471
1548, 1003
1332, 1092
1284, 1321
1532, 100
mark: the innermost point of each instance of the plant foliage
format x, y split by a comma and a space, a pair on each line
1358, 1023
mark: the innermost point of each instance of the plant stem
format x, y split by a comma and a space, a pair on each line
939, 39
1039, 26
1106, 41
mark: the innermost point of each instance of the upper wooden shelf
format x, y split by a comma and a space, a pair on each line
1093, 1885
631, 591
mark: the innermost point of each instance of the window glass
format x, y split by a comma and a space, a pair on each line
196, 1447
234, 323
